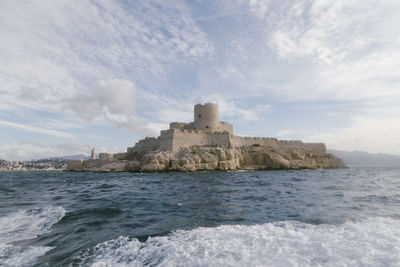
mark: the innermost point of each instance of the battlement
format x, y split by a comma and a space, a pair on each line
166, 132
105, 157
178, 125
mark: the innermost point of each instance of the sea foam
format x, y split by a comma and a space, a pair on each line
370, 242
23, 225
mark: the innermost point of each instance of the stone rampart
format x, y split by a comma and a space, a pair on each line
239, 141
175, 139
106, 157
287, 145
178, 125
165, 140
147, 144
317, 148
90, 163
224, 126
120, 156
74, 165
188, 138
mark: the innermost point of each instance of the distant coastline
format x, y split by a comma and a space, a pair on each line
365, 159
47, 164
350, 158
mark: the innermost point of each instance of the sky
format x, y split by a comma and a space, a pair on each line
77, 74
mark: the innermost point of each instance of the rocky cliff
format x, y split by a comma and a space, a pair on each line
213, 158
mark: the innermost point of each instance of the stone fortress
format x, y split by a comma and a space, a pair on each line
188, 146
207, 130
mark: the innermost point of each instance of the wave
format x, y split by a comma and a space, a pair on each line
23, 225
370, 242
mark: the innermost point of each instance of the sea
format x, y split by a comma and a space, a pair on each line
337, 217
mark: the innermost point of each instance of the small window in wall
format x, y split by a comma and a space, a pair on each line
199, 115
207, 127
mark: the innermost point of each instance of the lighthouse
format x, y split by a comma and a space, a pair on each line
92, 156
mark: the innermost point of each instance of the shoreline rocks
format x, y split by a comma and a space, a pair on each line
207, 158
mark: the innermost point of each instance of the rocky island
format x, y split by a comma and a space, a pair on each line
207, 144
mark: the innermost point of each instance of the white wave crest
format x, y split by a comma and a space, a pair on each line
23, 225
20, 256
371, 242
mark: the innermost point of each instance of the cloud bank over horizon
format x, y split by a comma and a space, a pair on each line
81, 74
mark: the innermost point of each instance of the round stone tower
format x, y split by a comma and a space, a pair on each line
206, 117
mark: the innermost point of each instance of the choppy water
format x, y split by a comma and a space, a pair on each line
266, 218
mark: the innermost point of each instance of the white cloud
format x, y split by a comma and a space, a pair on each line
375, 129
111, 101
31, 93
80, 57
36, 130
76, 61
341, 50
230, 108
157, 127
116, 97
133, 124
173, 113
259, 7
256, 8
58, 124
372, 134
285, 133
52, 52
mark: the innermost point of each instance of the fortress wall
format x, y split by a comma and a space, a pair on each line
224, 126
291, 144
174, 139
189, 126
239, 141
106, 157
164, 141
90, 163
120, 156
74, 165
317, 148
147, 144
288, 145
177, 125
181, 125
219, 139
188, 138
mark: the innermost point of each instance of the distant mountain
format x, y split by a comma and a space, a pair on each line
364, 159
75, 157
72, 157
